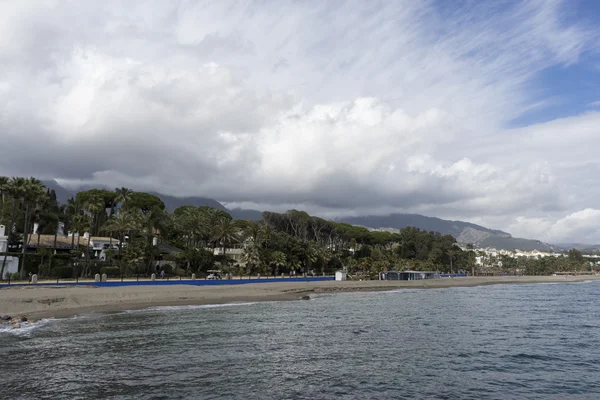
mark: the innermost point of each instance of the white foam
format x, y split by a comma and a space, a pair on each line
560, 283
195, 307
26, 329
190, 307
582, 282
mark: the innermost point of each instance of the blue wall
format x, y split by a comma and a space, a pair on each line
159, 282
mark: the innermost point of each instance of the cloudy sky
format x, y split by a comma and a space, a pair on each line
481, 111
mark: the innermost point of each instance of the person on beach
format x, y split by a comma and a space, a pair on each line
162, 274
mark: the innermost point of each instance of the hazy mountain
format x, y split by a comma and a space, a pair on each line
511, 243
464, 232
468, 230
172, 202
249, 215
62, 194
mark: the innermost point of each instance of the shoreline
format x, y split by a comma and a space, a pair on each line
61, 302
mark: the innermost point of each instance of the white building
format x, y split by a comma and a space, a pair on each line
236, 251
3, 239
340, 275
100, 245
12, 263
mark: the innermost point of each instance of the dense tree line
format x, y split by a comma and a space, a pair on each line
293, 241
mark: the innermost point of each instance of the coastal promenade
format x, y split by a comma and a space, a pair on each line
162, 282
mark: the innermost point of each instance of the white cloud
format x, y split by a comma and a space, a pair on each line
583, 225
347, 109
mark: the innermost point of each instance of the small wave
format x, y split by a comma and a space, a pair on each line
393, 291
189, 307
26, 329
194, 307
534, 357
582, 282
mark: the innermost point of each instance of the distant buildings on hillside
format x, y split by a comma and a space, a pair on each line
487, 257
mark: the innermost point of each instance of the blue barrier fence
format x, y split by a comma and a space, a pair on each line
161, 282
463, 275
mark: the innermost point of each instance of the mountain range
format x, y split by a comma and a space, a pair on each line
464, 232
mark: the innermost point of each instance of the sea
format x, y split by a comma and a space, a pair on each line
538, 341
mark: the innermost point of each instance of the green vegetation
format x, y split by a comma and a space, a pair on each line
573, 262
281, 243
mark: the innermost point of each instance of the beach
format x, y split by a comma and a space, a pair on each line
37, 302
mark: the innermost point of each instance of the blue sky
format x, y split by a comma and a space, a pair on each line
569, 90
474, 110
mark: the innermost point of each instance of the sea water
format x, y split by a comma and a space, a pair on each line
490, 342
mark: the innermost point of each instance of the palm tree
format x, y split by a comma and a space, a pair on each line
72, 209
215, 215
80, 225
254, 230
312, 255
48, 216
325, 256
4, 191
277, 260
122, 195
251, 257
155, 220
197, 226
225, 234
16, 189
203, 224
34, 194
94, 206
295, 265
121, 224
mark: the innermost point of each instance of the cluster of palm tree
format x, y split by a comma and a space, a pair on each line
292, 241
280, 242
210, 228
24, 197
138, 220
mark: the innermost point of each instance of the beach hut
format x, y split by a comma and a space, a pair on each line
340, 276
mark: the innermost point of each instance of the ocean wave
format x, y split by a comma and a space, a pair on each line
582, 282
561, 282
26, 329
194, 307
189, 307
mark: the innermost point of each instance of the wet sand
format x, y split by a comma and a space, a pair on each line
45, 302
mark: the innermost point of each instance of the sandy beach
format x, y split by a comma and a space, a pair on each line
45, 302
